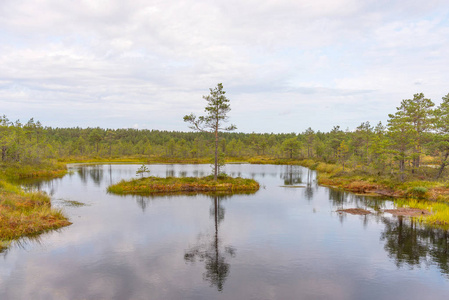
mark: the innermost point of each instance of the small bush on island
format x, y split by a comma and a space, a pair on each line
142, 170
152, 184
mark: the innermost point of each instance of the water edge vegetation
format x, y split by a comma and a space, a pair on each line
25, 214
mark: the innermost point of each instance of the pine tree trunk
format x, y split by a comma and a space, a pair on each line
443, 164
4, 153
216, 154
401, 168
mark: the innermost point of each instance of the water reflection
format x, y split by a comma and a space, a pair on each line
110, 174
198, 173
128, 248
142, 202
308, 192
341, 199
209, 249
292, 175
410, 244
407, 242
170, 173
235, 174
95, 173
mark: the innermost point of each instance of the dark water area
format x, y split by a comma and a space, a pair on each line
285, 241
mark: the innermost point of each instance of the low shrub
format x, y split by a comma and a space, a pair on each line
417, 192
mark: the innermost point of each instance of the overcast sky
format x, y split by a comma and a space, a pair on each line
286, 65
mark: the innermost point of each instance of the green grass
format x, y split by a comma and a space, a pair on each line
439, 211
48, 169
150, 185
439, 216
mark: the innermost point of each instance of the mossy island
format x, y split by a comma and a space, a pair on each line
207, 184
26, 214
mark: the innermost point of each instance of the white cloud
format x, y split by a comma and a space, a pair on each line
143, 60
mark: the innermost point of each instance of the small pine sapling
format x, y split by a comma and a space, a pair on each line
142, 170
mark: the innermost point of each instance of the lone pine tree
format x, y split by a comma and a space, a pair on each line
217, 110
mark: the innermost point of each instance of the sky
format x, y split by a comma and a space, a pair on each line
285, 65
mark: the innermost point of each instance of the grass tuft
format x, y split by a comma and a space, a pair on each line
25, 214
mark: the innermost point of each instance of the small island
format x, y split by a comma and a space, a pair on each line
26, 214
151, 185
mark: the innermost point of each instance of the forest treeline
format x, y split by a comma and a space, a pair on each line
417, 129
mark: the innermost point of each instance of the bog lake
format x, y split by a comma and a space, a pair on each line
286, 241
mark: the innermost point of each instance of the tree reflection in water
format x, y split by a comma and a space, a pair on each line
341, 199
39, 184
94, 172
308, 192
292, 175
409, 243
142, 202
210, 251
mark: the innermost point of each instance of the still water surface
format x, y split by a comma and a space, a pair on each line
279, 243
